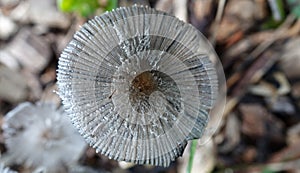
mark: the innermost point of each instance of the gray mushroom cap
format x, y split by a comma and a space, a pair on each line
138, 84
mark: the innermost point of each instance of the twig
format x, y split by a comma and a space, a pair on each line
180, 9
257, 69
218, 18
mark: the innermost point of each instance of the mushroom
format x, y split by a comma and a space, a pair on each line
4, 169
139, 83
41, 136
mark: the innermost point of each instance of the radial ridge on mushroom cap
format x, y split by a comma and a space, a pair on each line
138, 84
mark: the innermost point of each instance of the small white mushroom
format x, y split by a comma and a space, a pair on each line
41, 136
4, 169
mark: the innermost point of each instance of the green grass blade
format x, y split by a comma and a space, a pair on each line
192, 154
111, 4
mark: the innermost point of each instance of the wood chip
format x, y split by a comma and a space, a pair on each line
290, 60
13, 87
232, 134
30, 50
254, 117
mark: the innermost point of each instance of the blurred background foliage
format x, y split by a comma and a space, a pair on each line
86, 8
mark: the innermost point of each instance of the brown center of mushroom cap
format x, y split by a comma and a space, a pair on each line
144, 84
